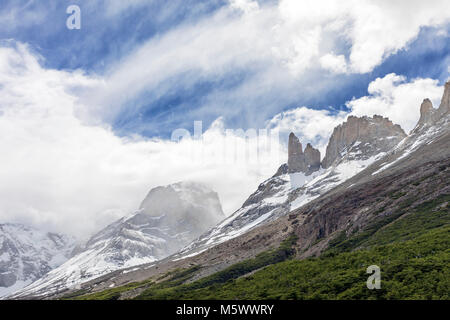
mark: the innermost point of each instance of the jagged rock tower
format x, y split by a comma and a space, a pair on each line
444, 108
299, 161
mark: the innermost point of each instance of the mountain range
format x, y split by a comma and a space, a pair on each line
373, 177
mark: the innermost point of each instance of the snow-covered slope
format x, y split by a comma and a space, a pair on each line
269, 202
26, 254
169, 218
278, 196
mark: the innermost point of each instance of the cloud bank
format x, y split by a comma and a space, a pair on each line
64, 175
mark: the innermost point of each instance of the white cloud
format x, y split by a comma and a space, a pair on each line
381, 28
246, 6
394, 97
294, 38
62, 174
374, 28
334, 63
15, 16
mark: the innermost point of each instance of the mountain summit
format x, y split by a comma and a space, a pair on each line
362, 137
429, 116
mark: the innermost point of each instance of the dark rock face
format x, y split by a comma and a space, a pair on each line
426, 112
312, 157
444, 108
296, 158
283, 169
299, 161
371, 135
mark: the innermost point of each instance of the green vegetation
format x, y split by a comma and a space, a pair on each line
412, 225
405, 227
109, 294
175, 278
413, 269
178, 275
397, 195
166, 289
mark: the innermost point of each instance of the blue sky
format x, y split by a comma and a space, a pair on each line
112, 31
86, 115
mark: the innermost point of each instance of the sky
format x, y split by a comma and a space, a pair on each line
87, 116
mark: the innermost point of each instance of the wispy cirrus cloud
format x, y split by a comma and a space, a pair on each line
275, 48
395, 97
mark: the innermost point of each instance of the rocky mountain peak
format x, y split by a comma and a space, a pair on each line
299, 161
169, 218
444, 108
187, 207
312, 157
362, 137
426, 112
428, 115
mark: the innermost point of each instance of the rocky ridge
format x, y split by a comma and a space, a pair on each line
353, 146
369, 135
